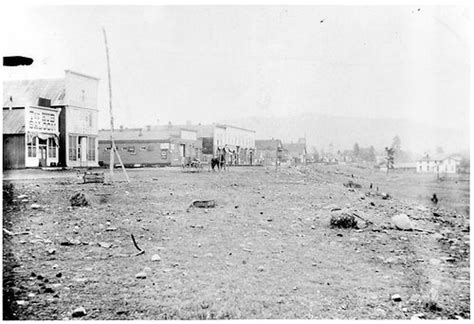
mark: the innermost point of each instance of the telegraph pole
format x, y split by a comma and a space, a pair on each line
112, 117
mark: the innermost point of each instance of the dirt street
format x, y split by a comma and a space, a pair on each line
266, 249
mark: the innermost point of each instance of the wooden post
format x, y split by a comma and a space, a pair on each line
276, 160
112, 117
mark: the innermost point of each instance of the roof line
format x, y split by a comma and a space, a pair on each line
82, 74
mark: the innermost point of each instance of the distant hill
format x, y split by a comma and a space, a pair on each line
343, 132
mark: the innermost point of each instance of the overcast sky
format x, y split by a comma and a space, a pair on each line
205, 64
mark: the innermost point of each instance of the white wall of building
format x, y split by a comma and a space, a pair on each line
82, 118
41, 120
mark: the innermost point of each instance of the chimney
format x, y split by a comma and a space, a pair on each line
140, 132
121, 128
148, 128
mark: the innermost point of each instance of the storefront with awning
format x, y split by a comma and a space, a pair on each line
42, 137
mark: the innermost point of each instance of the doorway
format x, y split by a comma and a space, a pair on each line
42, 148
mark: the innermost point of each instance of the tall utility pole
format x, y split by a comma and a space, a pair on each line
113, 150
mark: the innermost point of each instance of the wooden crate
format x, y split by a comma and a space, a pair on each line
93, 177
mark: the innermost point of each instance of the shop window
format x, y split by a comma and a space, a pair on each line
131, 149
73, 148
52, 152
31, 144
91, 149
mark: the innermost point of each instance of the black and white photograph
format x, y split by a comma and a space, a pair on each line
236, 162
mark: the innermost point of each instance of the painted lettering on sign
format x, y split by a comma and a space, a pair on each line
44, 121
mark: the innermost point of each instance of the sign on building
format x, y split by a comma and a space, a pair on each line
42, 121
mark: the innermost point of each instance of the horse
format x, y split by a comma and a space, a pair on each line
215, 163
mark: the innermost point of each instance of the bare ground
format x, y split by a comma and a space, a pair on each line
265, 251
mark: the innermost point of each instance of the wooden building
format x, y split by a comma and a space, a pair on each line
239, 142
295, 152
150, 147
30, 137
268, 152
74, 97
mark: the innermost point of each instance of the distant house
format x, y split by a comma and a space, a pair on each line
401, 166
438, 164
50, 122
295, 152
268, 151
145, 146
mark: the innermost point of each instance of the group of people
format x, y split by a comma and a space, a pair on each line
219, 161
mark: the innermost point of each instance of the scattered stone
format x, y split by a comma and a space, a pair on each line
396, 298
343, 221
155, 257
22, 197
385, 195
105, 245
402, 222
124, 312
372, 204
49, 290
79, 199
438, 236
203, 203
59, 275
35, 206
418, 316
110, 229
354, 239
22, 302
51, 251
79, 312
352, 184
260, 269
31, 295
141, 275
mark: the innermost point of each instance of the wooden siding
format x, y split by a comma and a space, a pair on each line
13, 151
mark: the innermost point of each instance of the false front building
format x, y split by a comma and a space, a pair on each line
57, 119
239, 142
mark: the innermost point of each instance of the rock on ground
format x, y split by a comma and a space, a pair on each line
79, 312
402, 222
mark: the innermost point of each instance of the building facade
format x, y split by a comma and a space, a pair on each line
238, 142
150, 147
30, 137
438, 164
268, 152
73, 102
295, 152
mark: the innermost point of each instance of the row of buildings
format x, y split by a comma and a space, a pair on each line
54, 123
50, 122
